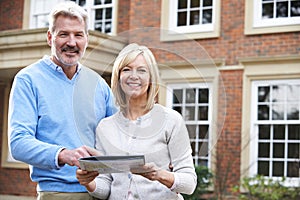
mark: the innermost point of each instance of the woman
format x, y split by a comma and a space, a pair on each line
142, 127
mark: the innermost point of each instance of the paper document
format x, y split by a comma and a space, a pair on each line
112, 164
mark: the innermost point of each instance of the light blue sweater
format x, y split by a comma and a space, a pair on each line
48, 111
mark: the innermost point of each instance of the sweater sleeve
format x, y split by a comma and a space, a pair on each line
23, 119
181, 157
103, 184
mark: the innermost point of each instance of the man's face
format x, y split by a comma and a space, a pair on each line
68, 42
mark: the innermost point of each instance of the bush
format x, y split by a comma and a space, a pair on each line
204, 181
260, 187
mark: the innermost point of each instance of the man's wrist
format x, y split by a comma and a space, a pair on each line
59, 162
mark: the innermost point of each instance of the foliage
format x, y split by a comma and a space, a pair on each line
204, 181
262, 188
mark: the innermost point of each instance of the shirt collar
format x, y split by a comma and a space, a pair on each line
55, 67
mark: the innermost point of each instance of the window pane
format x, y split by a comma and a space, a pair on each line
278, 150
264, 131
108, 13
264, 150
207, 16
278, 93
98, 26
203, 149
293, 169
207, 3
194, 17
263, 168
182, 16
82, 3
203, 96
189, 113
192, 131
293, 92
293, 150
263, 112
42, 20
295, 8
278, 168
99, 14
278, 112
182, 4
263, 94
203, 131
203, 162
294, 132
282, 9
108, 27
190, 95
177, 96
279, 132
293, 111
267, 10
203, 113
97, 2
195, 3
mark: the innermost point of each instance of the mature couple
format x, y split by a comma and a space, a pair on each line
61, 111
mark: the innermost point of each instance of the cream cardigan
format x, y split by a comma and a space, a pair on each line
160, 135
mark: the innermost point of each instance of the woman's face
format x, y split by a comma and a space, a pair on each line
135, 79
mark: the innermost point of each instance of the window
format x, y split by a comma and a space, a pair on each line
197, 18
102, 13
39, 12
269, 15
193, 102
276, 129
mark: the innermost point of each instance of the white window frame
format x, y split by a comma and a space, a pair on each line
40, 8
171, 32
254, 24
169, 104
291, 182
90, 7
189, 28
259, 22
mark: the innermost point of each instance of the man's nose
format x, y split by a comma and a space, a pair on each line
72, 40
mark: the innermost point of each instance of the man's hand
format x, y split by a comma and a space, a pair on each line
71, 157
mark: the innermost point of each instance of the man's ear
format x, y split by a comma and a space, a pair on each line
49, 38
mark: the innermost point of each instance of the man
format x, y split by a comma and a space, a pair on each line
55, 106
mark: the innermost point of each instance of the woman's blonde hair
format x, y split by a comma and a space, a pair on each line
126, 56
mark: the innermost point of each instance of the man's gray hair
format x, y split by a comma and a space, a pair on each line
69, 9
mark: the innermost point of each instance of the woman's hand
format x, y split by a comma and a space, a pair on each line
86, 179
152, 172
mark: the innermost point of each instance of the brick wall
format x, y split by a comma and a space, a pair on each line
11, 14
229, 131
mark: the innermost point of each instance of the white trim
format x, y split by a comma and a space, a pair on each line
170, 31
253, 157
169, 100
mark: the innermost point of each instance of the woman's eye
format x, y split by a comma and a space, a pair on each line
125, 69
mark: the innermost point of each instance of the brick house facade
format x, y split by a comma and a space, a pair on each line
232, 60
